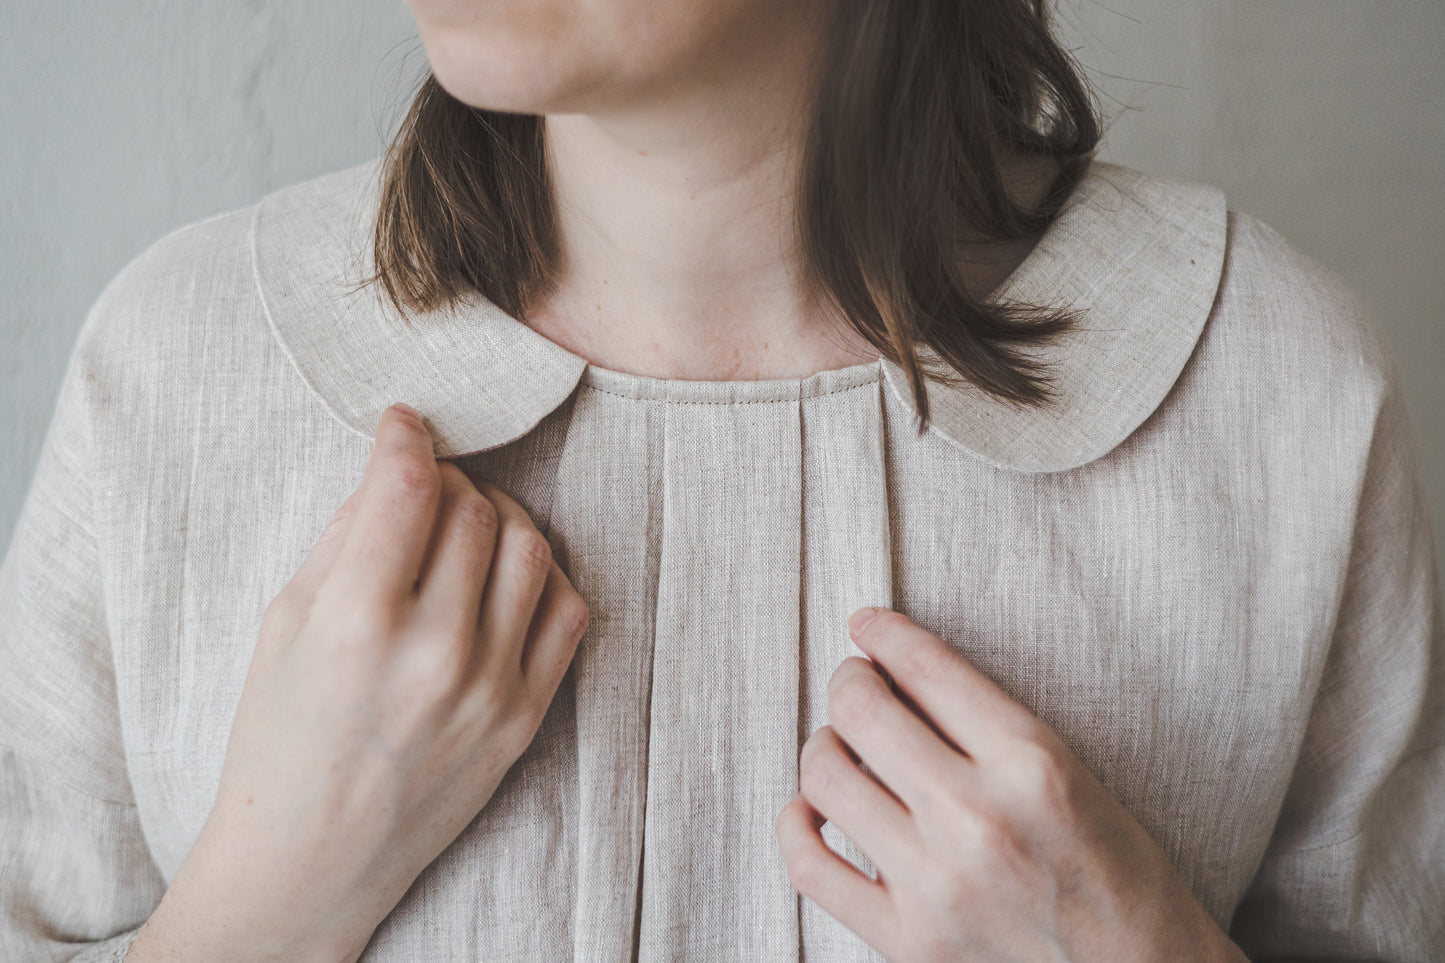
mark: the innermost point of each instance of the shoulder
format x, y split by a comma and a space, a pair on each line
205, 270
1197, 322
188, 306
157, 290
1287, 309
1292, 374
1262, 290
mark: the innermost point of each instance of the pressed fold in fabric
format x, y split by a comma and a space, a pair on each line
847, 564
606, 521
723, 745
766, 510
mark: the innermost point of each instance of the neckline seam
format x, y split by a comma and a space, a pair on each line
796, 397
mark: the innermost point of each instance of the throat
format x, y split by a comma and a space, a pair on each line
788, 348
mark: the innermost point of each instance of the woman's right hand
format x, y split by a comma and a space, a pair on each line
387, 697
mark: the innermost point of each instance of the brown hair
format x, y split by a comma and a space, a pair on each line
919, 109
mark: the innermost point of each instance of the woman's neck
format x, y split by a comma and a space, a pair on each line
679, 255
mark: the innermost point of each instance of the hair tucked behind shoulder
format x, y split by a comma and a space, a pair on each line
921, 108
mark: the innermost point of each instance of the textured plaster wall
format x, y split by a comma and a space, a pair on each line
125, 119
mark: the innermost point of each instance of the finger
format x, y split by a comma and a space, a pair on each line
388, 538
328, 544
895, 744
515, 581
965, 704
455, 571
865, 812
560, 622
842, 890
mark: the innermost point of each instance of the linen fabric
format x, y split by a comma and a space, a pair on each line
1208, 566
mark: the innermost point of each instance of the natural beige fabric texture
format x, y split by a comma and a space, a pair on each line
1208, 567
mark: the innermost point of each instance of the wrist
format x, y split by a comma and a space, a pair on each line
1193, 935
224, 906
185, 929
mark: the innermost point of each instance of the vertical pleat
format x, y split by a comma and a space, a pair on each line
846, 565
723, 748
606, 523
722, 545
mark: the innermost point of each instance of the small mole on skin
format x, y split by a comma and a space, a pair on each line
642, 152
250, 800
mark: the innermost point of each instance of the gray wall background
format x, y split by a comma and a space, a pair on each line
125, 119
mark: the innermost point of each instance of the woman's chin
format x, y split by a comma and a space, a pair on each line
513, 84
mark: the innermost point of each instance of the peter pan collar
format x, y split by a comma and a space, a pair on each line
1139, 257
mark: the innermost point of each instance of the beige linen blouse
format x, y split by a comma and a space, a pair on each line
1208, 567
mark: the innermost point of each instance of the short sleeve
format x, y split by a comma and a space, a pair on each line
1356, 866
76, 877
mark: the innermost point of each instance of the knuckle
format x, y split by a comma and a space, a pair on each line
1001, 848
574, 614
945, 888
923, 661
416, 475
1031, 764
1041, 776
533, 550
855, 698
476, 514
986, 826
817, 780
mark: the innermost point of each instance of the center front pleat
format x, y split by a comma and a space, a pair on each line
722, 749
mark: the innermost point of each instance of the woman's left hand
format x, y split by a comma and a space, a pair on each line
992, 841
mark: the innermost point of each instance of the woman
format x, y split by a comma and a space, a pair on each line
866, 421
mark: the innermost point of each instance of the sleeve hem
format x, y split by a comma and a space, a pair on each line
113, 950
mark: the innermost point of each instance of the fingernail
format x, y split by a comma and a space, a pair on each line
408, 409
860, 619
